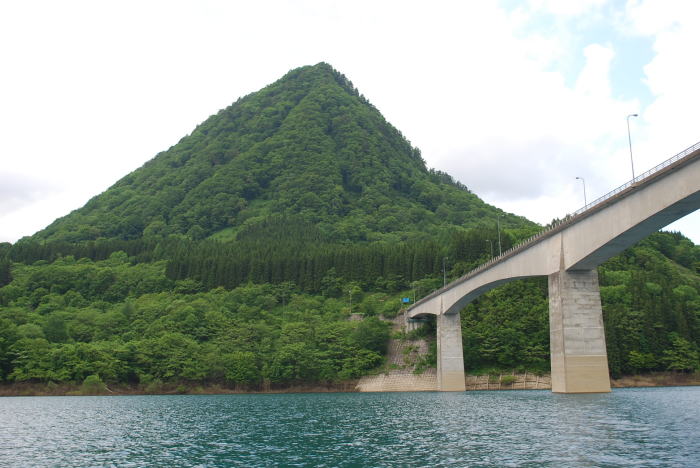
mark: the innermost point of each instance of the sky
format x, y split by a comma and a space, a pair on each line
515, 99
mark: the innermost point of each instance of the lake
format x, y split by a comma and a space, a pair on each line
628, 427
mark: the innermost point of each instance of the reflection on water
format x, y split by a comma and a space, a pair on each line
640, 427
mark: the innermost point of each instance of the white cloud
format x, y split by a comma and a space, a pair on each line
566, 8
594, 80
18, 190
670, 121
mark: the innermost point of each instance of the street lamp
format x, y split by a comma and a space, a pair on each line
629, 138
444, 272
585, 202
498, 221
491, 245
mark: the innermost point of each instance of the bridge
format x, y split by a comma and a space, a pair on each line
568, 253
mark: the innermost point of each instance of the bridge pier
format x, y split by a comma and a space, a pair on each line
579, 358
450, 360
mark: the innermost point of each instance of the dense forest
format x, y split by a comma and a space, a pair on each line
141, 319
309, 148
244, 255
651, 311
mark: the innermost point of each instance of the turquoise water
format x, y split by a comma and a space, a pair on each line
629, 427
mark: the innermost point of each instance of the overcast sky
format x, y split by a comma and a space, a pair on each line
514, 99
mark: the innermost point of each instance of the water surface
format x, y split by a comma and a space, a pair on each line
628, 427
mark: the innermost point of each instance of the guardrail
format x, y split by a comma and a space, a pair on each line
639, 178
568, 219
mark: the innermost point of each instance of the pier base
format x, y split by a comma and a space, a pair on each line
450, 360
579, 358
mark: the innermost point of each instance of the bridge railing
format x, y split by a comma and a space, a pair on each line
639, 178
568, 219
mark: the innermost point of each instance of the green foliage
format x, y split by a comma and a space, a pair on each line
307, 156
177, 334
93, 385
682, 356
641, 362
5, 271
65, 318
507, 327
651, 311
241, 367
427, 361
650, 306
371, 334
508, 380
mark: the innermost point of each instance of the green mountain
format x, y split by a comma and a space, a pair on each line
236, 258
308, 148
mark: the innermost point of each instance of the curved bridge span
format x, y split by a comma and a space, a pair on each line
568, 253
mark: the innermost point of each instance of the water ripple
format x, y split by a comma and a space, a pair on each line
629, 427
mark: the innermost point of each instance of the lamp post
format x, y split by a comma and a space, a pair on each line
444, 272
491, 245
498, 222
585, 201
629, 139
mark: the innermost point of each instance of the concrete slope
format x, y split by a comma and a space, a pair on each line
402, 356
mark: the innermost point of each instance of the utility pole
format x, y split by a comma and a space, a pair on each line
444, 272
629, 138
498, 220
585, 201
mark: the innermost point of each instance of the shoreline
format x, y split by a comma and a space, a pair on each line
40, 389
659, 379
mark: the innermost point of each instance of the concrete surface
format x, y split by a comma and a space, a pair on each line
576, 336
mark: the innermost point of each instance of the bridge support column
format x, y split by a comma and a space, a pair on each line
450, 360
576, 334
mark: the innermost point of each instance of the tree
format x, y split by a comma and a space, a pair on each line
682, 356
640, 362
241, 368
93, 385
55, 329
372, 334
5, 272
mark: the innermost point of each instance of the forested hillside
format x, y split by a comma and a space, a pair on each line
651, 310
308, 147
239, 256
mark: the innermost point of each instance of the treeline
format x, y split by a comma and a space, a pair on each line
30, 251
310, 267
263, 255
129, 324
65, 315
652, 307
384, 266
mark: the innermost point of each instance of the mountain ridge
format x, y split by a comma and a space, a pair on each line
308, 146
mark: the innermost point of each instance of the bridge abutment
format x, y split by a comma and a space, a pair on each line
450, 360
579, 357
